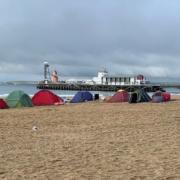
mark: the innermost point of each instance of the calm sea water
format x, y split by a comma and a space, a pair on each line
5, 89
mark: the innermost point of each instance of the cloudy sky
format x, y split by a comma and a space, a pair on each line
79, 37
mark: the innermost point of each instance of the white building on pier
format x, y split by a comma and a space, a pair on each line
105, 79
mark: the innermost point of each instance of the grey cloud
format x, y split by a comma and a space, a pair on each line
80, 37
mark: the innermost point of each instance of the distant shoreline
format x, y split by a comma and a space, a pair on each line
19, 83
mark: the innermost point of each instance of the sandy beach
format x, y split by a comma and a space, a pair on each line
91, 141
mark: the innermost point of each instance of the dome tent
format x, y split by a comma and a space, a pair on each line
3, 104
159, 96
18, 99
157, 99
119, 96
140, 95
133, 97
46, 97
82, 96
166, 96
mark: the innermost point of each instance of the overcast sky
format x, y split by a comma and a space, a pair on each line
79, 37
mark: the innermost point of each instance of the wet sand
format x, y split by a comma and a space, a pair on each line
91, 141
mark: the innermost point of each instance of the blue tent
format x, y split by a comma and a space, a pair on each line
82, 96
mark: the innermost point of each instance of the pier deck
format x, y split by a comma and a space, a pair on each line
88, 87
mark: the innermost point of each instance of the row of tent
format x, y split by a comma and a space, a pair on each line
41, 98
46, 97
21, 99
139, 96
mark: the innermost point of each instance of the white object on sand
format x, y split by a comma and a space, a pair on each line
34, 128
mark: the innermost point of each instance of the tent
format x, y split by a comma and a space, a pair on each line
159, 96
3, 104
157, 99
133, 97
166, 96
82, 96
120, 96
18, 99
46, 97
157, 93
96, 97
107, 98
140, 95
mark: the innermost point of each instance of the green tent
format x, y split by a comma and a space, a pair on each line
18, 99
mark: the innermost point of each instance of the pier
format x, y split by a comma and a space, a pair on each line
88, 87
170, 85
103, 82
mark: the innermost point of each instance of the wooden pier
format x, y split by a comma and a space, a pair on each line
88, 87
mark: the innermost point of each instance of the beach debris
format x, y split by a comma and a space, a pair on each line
34, 128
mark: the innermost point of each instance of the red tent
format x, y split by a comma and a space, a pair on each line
45, 97
120, 96
166, 96
3, 104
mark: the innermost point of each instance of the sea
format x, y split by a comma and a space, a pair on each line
31, 89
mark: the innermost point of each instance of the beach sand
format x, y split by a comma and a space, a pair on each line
91, 141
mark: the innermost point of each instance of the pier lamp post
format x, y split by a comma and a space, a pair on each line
46, 72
